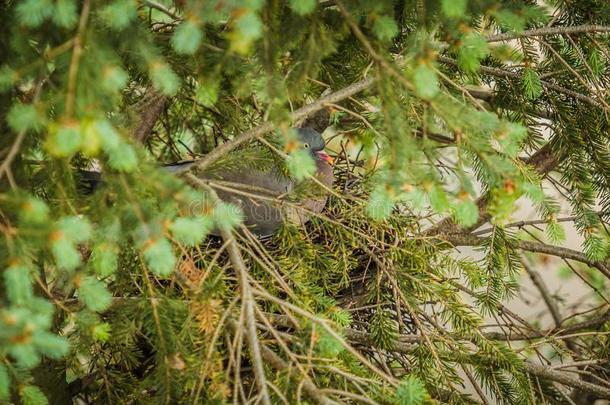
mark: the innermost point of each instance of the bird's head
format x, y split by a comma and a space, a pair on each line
313, 141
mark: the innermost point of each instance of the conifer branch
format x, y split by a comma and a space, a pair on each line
535, 247
247, 299
547, 31
149, 109
492, 71
76, 53
248, 305
261, 130
309, 387
543, 162
566, 379
544, 292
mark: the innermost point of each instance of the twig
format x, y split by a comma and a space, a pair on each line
268, 126
475, 384
248, 304
76, 53
5, 167
309, 387
536, 247
544, 292
566, 379
581, 363
162, 8
541, 32
512, 75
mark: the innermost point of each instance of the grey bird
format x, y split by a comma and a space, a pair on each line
258, 193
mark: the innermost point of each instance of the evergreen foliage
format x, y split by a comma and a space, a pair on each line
446, 114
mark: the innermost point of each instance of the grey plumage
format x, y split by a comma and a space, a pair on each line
254, 191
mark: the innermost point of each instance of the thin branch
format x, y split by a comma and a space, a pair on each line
162, 8
309, 387
566, 379
544, 292
512, 75
248, 303
76, 53
536, 247
268, 126
546, 31
475, 384
543, 162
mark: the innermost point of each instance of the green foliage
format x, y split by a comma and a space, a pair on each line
301, 164
207, 93
65, 14
532, 86
93, 294
473, 49
118, 14
454, 8
187, 37
380, 204
65, 253
104, 259
411, 391
119, 285
385, 28
32, 13
23, 117
466, 212
18, 284
328, 346
303, 7
425, 80
159, 256
164, 78
32, 395
8, 77
5, 381
33, 210
191, 230
65, 140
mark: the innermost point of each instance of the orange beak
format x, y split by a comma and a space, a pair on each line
325, 157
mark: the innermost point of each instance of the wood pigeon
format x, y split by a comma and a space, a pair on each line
256, 192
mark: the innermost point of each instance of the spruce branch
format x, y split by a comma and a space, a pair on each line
248, 306
535, 247
544, 292
247, 299
543, 161
309, 387
566, 379
148, 110
548, 31
497, 72
261, 130
77, 49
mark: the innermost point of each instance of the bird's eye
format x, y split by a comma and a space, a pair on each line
306, 145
